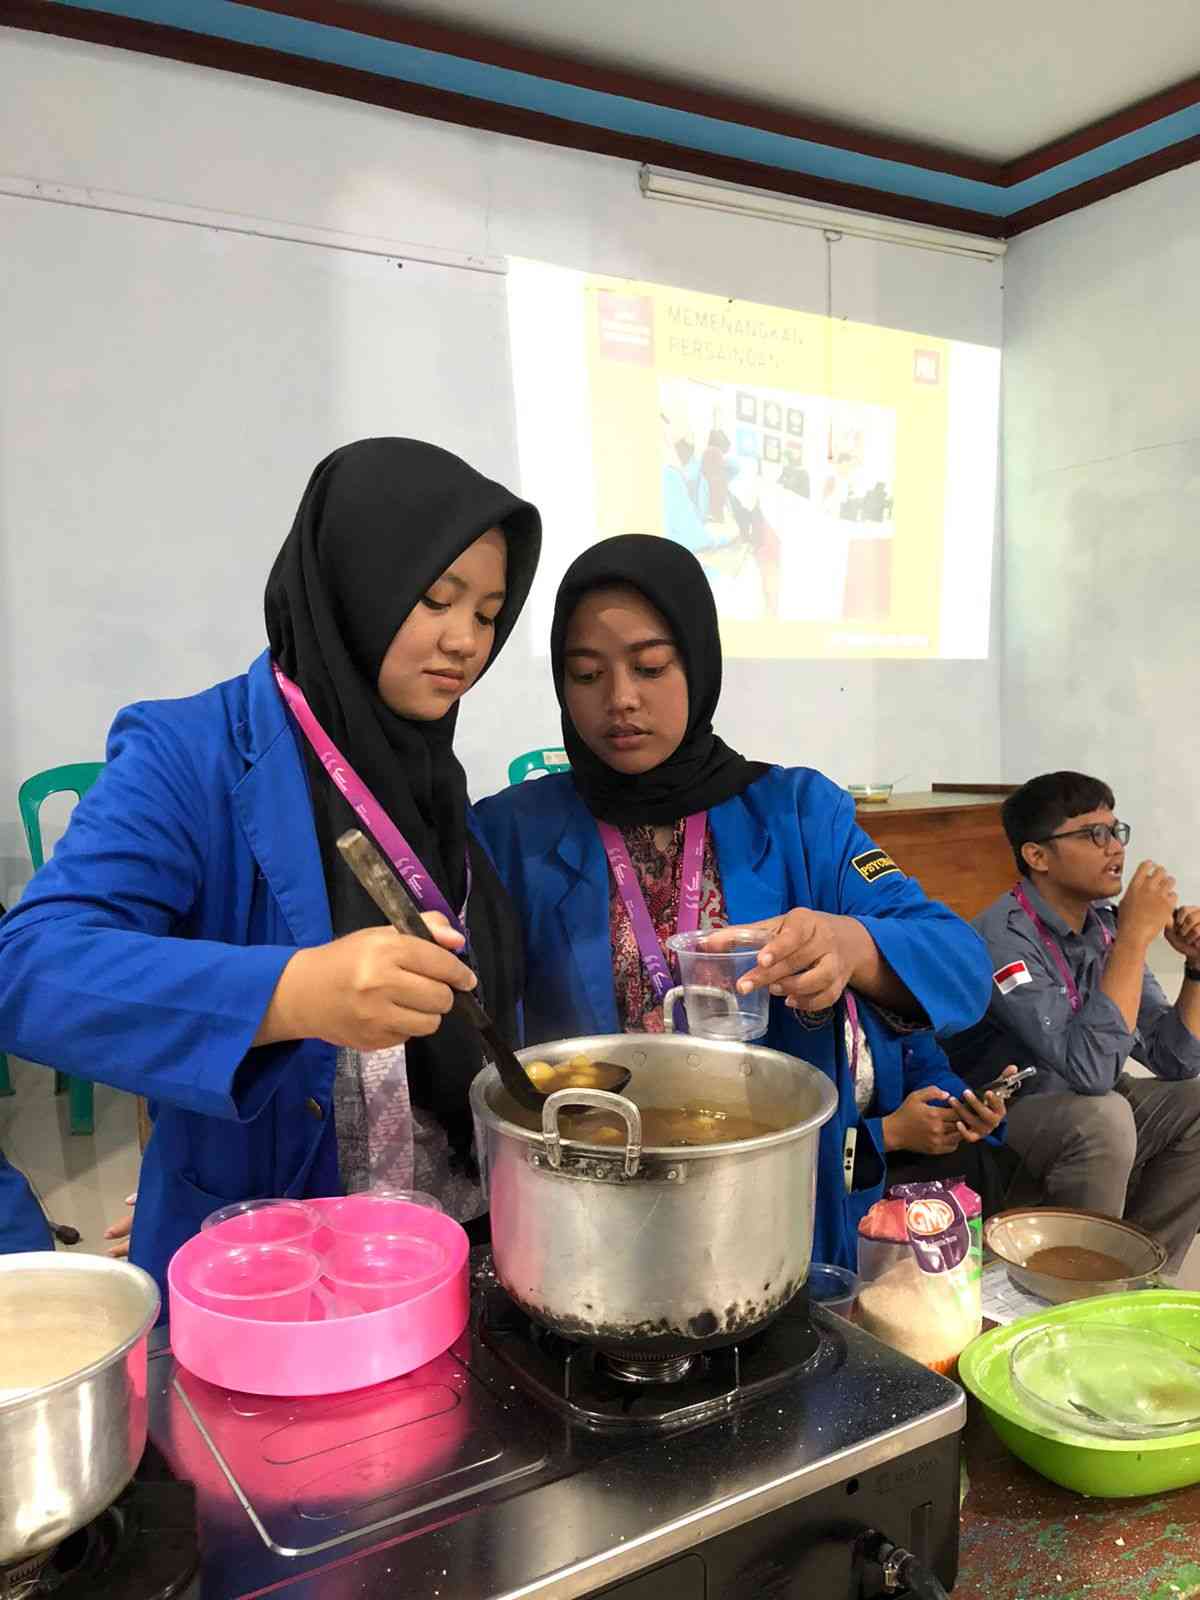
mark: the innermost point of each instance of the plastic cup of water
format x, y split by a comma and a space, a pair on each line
711, 965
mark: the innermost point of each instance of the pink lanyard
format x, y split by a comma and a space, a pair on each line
630, 890
852, 1017
387, 835
1052, 945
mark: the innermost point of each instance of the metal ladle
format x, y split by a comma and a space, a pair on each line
377, 878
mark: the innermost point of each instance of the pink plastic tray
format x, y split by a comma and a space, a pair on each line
327, 1353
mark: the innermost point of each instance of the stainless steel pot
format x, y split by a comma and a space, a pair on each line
69, 1446
656, 1251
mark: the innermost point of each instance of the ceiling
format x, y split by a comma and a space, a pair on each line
991, 81
989, 120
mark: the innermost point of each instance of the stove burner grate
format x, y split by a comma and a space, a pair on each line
636, 1391
145, 1546
20, 1582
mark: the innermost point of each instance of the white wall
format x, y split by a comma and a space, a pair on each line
80, 115
1102, 507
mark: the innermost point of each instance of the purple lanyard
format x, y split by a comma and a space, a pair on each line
1052, 945
387, 835
630, 890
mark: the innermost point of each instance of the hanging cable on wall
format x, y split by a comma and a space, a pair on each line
831, 238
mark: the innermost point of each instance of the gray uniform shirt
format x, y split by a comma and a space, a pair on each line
1029, 1018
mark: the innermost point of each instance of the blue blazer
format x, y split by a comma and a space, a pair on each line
22, 1223
791, 839
145, 952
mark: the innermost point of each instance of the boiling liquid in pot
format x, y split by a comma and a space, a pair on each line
697, 1122
50, 1333
675, 1126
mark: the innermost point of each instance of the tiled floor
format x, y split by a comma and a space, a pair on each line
82, 1180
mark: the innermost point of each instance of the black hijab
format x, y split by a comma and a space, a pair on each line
379, 523
703, 771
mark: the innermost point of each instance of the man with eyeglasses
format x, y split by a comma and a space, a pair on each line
1072, 996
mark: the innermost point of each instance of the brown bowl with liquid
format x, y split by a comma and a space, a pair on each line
1061, 1254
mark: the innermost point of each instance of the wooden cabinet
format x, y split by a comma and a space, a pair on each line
950, 841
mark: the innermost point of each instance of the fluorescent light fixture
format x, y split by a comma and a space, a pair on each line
741, 202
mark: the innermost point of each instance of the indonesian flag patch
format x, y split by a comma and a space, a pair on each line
1011, 977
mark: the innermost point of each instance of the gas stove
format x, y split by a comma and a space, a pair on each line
520, 1465
145, 1546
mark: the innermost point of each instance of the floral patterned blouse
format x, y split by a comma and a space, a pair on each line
658, 869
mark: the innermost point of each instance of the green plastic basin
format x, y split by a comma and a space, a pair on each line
1112, 1468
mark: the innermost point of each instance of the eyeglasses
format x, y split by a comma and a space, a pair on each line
1098, 832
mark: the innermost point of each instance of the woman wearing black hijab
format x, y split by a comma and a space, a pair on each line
636, 656
196, 937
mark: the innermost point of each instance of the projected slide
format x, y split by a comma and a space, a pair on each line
836, 480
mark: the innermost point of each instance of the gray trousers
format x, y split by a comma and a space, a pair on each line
1133, 1153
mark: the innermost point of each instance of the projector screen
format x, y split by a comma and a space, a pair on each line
837, 480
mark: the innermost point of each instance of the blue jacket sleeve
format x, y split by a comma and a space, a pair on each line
940, 959
95, 978
925, 1063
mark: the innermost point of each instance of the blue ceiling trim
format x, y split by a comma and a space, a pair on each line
589, 107
1105, 158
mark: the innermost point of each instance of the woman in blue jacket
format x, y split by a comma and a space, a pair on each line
637, 667
196, 937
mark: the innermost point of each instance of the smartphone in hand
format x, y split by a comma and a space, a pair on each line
1006, 1087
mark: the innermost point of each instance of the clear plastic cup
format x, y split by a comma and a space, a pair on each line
360, 1218
832, 1288
262, 1222
371, 1273
262, 1282
711, 965
413, 1197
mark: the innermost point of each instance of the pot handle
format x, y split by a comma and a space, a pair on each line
681, 992
604, 1101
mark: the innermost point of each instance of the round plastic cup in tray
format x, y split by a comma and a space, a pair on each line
421, 1295
255, 1283
1120, 1383
250, 1222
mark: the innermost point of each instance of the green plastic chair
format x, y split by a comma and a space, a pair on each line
536, 763
75, 779
6, 1087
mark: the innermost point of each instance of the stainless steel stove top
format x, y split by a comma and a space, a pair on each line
458, 1481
